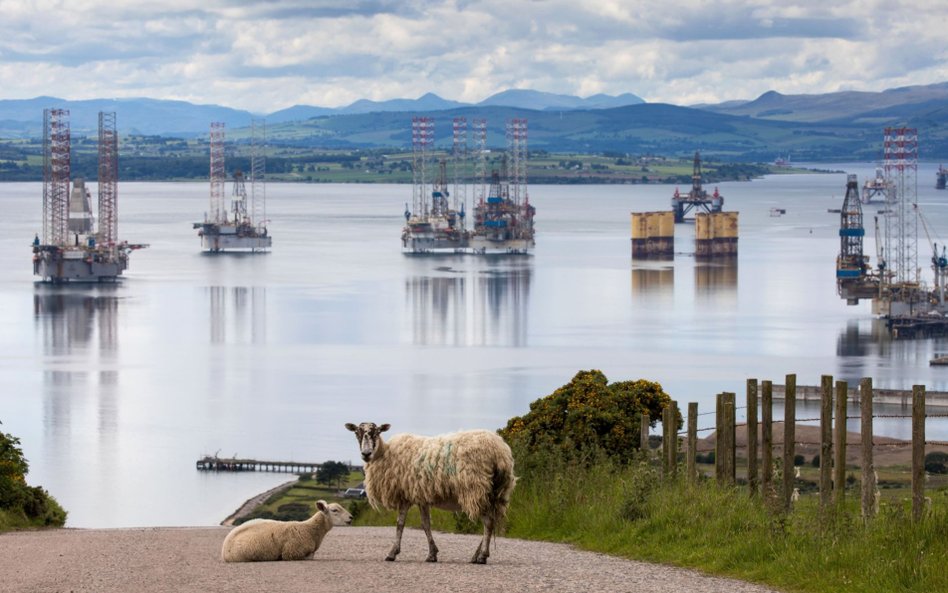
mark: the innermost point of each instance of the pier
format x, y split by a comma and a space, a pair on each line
220, 464
902, 397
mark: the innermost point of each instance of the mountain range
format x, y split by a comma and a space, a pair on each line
841, 125
24, 117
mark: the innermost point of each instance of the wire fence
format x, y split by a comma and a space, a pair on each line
834, 444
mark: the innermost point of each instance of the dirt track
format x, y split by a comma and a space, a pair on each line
163, 560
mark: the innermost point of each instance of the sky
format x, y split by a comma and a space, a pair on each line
267, 55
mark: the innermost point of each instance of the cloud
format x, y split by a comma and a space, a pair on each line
267, 55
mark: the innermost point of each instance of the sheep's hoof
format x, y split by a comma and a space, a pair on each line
479, 560
390, 558
431, 558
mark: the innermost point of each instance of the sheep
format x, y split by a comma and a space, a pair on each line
471, 471
266, 539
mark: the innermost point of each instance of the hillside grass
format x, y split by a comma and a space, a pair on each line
629, 511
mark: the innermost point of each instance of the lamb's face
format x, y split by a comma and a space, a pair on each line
369, 436
336, 512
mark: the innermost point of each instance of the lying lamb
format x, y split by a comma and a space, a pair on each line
265, 539
470, 471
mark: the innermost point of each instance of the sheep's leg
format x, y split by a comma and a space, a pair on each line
426, 525
483, 548
399, 528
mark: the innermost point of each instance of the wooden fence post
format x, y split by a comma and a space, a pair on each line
789, 437
826, 441
918, 451
868, 471
643, 433
839, 463
766, 438
670, 438
729, 449
719, 439
666, 438
692, 441
752, 479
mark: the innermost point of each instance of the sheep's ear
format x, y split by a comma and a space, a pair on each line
321, 505
351, 426
384, 427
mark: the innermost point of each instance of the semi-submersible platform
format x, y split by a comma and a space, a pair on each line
77, 246
242, 227
502, 214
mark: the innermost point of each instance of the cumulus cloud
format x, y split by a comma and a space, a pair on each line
270, 54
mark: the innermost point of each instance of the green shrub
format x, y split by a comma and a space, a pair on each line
799, 459
705, 458
816, 461
293, 511
936, 462
589, 414
357, 508
23, 505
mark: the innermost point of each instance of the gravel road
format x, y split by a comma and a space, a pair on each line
163, 560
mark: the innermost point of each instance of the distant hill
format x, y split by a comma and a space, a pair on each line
646, 128
834, 106
24, 117
835, 126
138, 116
540, 101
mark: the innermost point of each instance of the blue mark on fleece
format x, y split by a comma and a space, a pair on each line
442, 458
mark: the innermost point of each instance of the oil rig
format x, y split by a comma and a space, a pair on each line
697, 198
503, 220
877, 188
243, 226
910, 307
435, 223
73, 247
941, 177
502, 213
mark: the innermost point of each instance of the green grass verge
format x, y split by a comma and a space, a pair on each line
15, 519
629, 511
298, 502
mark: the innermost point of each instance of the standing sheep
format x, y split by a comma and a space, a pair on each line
470, 471
265, 539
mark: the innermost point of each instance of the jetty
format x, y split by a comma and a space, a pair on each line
233, 464
901, 397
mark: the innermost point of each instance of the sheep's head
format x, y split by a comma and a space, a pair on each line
335, 511
369, 436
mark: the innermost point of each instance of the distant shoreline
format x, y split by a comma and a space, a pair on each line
251, 503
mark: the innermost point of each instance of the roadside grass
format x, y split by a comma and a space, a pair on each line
629, 511
11, 520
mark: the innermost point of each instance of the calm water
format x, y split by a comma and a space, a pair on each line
116, 391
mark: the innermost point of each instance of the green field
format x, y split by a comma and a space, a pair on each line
154, 158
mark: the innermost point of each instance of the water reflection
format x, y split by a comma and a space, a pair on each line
865, 348
718, 277
68, 320
238, 311
78, 329
472, 306
653, 280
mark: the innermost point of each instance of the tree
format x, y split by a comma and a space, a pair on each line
332, 472
13, 468
35, 504
589, 413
